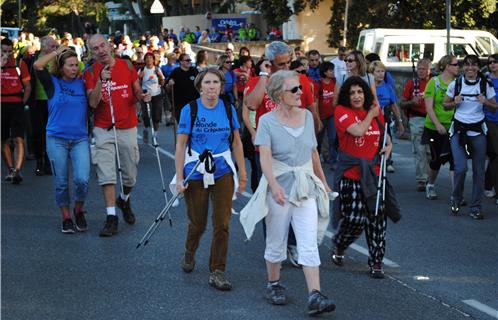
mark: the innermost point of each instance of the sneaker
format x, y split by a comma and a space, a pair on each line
218, 280
275, 294
10, 175
80, 221
455, 209
430, 192
17, 178
421, 186
337, 259
293, 255
188, 262
390, 168
110, 227
146, 136
376, 271
67, 226
489, 193
39, 168
125, 207
463, 203
318, 303
477, 215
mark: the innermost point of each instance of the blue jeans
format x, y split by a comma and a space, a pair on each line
61, 152
329, 126
478, 145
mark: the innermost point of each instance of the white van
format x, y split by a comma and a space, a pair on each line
397, 47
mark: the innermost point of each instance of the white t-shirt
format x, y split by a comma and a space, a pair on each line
339, 67
470, 109
150, 81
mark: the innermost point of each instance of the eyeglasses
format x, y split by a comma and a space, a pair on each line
349, 60
453, 64
228, 62
186, 60
492, 62
295, 89
470, 64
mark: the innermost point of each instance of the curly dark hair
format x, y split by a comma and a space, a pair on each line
344, 97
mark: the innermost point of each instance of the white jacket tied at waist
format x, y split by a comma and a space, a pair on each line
257, 207
208, 178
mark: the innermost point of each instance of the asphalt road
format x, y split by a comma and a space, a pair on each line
438, 266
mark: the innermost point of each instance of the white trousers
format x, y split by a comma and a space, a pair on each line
304, 220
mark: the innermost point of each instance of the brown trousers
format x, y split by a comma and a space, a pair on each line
197, 199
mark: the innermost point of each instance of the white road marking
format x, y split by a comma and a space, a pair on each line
329, 234
364, 251
482, 307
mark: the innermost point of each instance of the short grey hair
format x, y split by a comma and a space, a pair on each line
277, 48
45, 41
275, 86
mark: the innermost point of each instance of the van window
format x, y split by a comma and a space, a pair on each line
485, 42
361, 43
460, 50
378, 45
403, 52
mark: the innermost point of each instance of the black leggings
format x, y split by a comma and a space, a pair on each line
39, 118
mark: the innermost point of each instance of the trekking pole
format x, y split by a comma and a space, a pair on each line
381, 187
113, 127
152, 229
156, 146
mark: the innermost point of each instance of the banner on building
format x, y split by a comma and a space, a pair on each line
234, 23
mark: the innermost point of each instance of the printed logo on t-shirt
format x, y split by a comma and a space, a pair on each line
204, 126
344, 117
192, 78
114, 87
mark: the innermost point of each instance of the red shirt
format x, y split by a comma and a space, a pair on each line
325, 94
365, 147
241, 81
408, 94
12, 87
268, 105
123, 99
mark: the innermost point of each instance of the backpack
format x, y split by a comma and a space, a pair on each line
193, 116
482, 85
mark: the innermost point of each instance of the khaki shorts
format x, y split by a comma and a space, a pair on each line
104, 155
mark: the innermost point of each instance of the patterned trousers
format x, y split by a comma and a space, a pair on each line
355, 218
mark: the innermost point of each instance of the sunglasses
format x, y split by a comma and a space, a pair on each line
186, 60
453, 64
349, 60
492, 62
295, 89
228, 62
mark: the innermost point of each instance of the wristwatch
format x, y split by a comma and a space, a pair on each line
264, 74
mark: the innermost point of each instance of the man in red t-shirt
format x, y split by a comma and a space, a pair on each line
119, 77
16, 89
278, 55
412, 102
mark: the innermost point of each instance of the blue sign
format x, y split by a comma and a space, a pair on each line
220, 24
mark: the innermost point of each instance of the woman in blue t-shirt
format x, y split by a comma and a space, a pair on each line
67, 132
491, 178
229, 88
213, 129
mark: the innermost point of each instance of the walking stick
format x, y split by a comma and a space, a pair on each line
152, 229
381, 185
156, 146
113, 127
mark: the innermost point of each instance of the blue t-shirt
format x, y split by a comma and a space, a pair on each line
385, 95
492, 116
314, 73
167, 69
389, 80
67, 110
229, 83
211, 131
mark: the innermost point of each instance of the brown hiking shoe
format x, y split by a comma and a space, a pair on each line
218, 280
188, 262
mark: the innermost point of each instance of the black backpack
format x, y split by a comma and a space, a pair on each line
193, 117
483, 81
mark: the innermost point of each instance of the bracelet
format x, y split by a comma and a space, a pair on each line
264, 74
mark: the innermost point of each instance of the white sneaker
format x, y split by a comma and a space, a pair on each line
390, 168
489, 193
430, 192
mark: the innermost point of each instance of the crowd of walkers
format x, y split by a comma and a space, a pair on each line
61, 95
